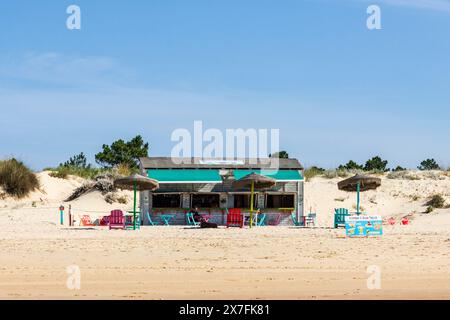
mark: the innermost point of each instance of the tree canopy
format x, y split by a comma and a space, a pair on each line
123, 153
280, 155
376, 163
429, 164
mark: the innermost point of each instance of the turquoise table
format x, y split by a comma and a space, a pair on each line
166, 218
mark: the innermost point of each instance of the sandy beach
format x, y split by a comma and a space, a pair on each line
180, 262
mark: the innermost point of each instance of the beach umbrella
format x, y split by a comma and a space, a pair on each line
359, 183
136, 182
254, 181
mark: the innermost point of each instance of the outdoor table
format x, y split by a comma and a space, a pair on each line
166, 218
129, 219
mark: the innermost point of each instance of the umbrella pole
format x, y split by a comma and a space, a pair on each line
134, 209
358, 188
251, 203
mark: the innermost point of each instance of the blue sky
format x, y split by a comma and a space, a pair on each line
336, 90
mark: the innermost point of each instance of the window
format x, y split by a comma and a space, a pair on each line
205, 200
166, 201
280, 201
243, 201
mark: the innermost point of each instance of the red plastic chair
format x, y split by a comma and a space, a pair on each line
391, 221
104, 221
116, 220
405, 221
235, 218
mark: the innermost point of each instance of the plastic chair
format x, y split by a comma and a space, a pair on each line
104, 221
339, 217
276, 221
296, 222
85, 221
190, 219
261, 220
311, 219
149, 219
116, 220
235, 218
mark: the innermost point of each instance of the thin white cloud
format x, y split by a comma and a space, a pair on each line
437, 5
56, 68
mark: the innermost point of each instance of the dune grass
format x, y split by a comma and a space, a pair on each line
89, 173
16, 179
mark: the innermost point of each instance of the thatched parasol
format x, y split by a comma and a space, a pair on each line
359, 183
253, 180
136, 182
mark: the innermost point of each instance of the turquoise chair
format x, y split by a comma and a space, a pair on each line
339, 217
129, 221
190, 219
311, 219
295, 221
149, 218
261, 220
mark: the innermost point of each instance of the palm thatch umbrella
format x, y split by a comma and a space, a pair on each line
136, 182
359, 183
253, 180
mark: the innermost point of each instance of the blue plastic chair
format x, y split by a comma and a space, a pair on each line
149, 218
190, 219
261, 220
295, 221
311, 219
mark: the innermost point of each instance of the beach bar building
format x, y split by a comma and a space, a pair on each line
207, 185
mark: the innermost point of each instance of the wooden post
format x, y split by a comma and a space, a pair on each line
358, 189
251, 203
70, 216
134, 211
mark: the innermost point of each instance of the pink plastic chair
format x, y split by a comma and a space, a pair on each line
275, 221
116, 220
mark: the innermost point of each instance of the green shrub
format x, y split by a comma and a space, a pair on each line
312, 172
122, 200
351, 165
436, 201
63, 172
280, 155
77, 161
429, 209
125, 170
16, 179
376, 164
337, 173
429, 164
403, 175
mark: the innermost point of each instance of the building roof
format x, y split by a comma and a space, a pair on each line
199, 163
